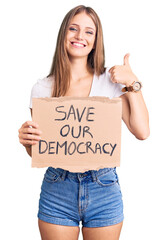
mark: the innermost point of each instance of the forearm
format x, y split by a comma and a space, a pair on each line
28, 149
139, 117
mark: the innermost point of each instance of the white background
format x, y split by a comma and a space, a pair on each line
28, 38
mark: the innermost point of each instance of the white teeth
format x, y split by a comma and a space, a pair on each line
78, 44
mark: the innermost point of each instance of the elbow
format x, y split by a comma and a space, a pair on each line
143, 135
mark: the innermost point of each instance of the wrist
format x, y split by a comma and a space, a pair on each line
27, 146
130, 82
134, 87
29, 150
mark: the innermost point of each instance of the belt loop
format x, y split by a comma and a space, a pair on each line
63, 175
94, 177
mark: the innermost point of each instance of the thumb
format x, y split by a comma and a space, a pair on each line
126, 59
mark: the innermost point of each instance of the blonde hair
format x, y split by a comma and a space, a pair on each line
60, 67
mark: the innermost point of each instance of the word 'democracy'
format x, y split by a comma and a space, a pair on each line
77, 132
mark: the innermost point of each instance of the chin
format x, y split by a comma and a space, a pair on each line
78, 54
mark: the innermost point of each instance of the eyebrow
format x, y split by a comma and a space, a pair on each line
78, 26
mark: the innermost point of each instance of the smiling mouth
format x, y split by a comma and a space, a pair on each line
76, 44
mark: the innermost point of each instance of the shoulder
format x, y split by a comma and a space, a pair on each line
106, 73
105, 79
45, 82
105, 86
42, 86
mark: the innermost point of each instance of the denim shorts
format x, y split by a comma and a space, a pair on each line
93, 198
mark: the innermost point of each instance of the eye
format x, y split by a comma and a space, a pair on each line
90, 33
72, 29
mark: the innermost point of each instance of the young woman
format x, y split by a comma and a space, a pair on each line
93, 197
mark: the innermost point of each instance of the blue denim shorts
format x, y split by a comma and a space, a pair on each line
93, 198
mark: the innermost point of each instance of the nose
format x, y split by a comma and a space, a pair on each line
79, 35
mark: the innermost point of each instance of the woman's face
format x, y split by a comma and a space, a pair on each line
80, 37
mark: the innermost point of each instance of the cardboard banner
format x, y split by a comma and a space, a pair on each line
78, 134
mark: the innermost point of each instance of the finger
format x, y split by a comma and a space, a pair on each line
112, 69
28, 142
30, 124
113, 79
126, 59
30, 137
32, 131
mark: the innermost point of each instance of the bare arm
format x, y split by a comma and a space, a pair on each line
135, 114
28, 149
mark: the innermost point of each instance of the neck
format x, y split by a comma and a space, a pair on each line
79, 69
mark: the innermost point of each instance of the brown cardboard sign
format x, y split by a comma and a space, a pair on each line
78, 133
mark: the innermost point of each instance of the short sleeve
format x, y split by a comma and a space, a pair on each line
34, 94
114, 88
118, 90
41, 89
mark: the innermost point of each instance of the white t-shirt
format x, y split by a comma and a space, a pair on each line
101, 86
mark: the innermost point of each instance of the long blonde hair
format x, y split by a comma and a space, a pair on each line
60, 67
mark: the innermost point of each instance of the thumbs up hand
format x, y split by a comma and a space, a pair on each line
123, 73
